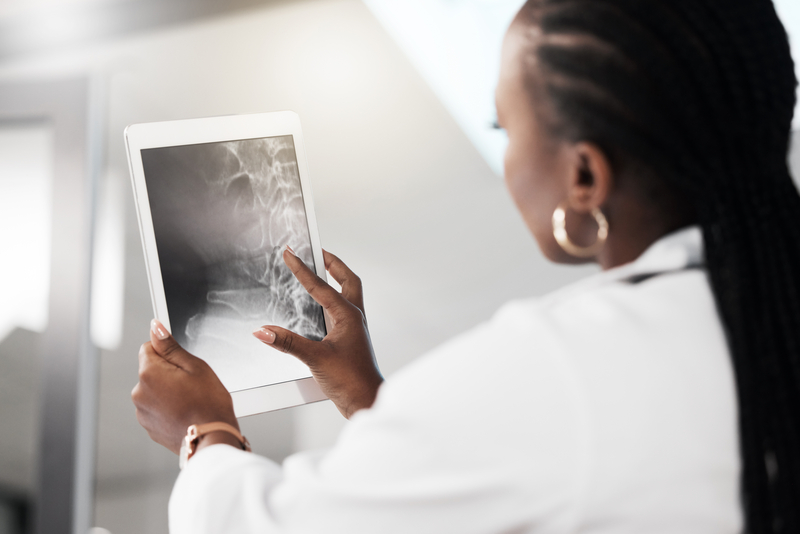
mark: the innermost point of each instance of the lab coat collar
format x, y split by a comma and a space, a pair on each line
678, 250
682, 249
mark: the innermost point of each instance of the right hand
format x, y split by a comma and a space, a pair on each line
177, 389
343, 363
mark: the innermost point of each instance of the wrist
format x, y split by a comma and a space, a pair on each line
365, 398
206, 434
216, 438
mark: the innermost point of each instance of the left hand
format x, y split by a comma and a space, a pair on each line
343, 363
176, 390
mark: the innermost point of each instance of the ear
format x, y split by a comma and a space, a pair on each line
590, 179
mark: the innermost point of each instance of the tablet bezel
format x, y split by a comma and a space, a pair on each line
143, 136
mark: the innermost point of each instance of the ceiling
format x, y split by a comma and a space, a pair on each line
28, 26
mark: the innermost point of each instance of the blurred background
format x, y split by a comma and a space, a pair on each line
396, 101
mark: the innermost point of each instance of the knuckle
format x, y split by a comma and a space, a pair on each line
286, 344
145, 373
295, 269
139, 397
170, 349
312, 288
337, 309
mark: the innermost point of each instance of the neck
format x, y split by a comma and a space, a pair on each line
628, 239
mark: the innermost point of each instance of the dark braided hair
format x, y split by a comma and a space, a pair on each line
701, 93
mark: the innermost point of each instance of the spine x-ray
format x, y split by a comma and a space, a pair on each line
222, 214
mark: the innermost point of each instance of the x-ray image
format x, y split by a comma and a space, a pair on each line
222, 213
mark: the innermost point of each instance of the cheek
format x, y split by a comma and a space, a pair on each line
529, 194
528, 187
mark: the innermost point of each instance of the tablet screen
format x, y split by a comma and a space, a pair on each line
222, 214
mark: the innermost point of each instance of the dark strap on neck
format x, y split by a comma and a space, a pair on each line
642, 277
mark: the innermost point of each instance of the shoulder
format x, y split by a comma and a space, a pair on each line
501, 385
607, 309
492, 416
527, 338
546, 358
487, 358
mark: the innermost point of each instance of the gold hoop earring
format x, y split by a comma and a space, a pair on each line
560, 233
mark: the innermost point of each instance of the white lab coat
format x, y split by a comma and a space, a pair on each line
606, 407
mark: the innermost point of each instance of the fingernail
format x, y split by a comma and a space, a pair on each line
290, 250
158, 329
264, 335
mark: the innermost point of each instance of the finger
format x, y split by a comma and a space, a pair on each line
320, 291
350, 282
165, 346
286, 341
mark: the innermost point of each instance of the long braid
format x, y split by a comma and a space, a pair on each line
701, 93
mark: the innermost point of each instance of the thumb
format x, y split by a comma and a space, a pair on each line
166, 346
287, 341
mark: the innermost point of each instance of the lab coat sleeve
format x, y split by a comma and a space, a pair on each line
223, 489
449, 446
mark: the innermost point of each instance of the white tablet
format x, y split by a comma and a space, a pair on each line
218, 199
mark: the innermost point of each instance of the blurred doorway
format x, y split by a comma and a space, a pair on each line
25, 211
47, 365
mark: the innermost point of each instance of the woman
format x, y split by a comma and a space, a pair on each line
662, 395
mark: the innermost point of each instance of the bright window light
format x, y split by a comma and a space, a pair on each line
455, 45
789, 12
108, 264
26, 169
